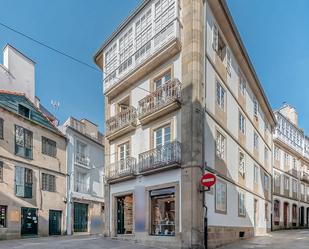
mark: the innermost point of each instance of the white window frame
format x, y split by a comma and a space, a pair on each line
241, 204
255, 141
220, 145
220, 95
255, 174
242, 164
277, 153
221, 197
255, 107
242, 123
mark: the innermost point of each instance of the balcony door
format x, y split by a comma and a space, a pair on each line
81, 153
161, 93
160, 81
124, 154
82, 182
162, 140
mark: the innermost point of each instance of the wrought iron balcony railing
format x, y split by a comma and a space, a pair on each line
160, 157
164, 95
82, 159
121, 168
121, 120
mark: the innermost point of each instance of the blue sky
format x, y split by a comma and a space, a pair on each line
77, 27
275, 33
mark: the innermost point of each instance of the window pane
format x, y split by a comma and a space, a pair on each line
163, 213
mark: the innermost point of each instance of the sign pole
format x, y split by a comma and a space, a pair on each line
207, 181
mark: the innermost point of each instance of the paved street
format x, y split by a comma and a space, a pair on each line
79, 242
296, 239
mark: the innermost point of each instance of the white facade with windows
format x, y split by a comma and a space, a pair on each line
238, 139
291, 172
144, 66
85, 183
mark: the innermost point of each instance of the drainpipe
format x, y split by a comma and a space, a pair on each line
204, 127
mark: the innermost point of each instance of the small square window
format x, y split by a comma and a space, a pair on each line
24, 111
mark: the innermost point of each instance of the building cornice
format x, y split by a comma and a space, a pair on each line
122, 25
223, 6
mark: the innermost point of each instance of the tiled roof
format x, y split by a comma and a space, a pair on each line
11, 100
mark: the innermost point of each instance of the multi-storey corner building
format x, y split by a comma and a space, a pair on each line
32, 170
85, 165
181, 99
290, 172
238, 134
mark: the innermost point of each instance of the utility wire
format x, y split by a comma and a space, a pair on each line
58, 51
49, 47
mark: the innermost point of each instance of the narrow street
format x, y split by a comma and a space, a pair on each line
296, 239
68, 242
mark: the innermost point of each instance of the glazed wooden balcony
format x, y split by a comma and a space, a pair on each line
121, 170
161, 158
120, 124
160, 102
294, 172
157, 50
82, 159
304, 177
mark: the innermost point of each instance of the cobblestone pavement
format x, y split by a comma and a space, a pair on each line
71, 242
288, 239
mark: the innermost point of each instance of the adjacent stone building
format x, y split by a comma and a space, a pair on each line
85, 169
32, 170
181, 99
290, 172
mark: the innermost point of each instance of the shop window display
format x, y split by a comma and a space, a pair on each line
163, 212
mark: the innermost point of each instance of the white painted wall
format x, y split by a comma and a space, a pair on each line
232, 147
95, 171
17, 73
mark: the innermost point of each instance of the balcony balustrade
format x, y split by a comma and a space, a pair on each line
123, 122
160, 102
82, 159
162, 157
124, 168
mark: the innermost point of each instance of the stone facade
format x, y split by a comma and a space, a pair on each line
43, 201
149, 122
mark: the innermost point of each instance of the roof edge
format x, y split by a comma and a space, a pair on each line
19, 52
120, 27
246, 56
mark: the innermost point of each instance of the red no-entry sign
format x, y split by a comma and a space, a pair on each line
208, 180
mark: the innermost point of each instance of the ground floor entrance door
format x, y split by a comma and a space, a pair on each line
120, 216
80, 217
125, 214
285, 214
302, 216
307, 224
55, 222
29, 221
255, 212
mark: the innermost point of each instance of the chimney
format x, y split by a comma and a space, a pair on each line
290, 113
21, 70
